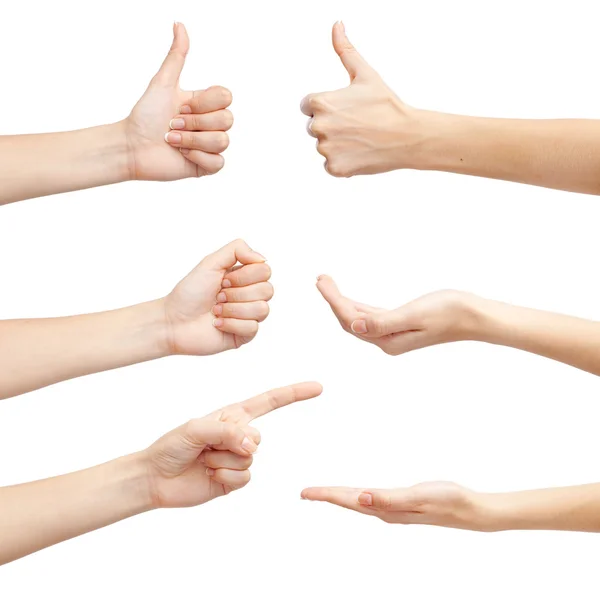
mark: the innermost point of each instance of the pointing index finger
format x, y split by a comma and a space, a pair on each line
274, 399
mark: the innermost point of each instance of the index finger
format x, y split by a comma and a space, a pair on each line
306, 105
274, 399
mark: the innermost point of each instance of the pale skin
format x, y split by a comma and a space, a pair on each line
366, 128
217, 307
451, 316
447, 504
202, 460
170, 134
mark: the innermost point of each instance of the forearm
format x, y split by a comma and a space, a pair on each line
50, 163
562, 153
563, 338
574, 508
43, 513
38, 352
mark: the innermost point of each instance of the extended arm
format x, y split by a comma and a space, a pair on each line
453, 316
170, 134
447, 504
365, 129
213, 309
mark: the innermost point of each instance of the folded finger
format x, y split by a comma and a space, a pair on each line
247, 275
257, 311
207, 101
219, 120
232, 478
223, 459
250, 293
207, 164
207, 141
239, 327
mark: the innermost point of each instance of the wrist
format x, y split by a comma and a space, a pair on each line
133, 483
118, 152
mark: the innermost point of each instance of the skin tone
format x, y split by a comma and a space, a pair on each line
366, 128
454, 316
446, 504
202, 460
451, 316
170, 134
217, 307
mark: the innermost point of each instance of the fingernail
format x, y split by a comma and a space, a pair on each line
185, 110
177, 124
218, 322
210, 472
173, 137
217, 310
226, 283
365, 499
184, 151
249, 446
221, 297
359, 326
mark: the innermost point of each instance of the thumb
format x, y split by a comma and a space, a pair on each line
172, 66
354, 63
379, 324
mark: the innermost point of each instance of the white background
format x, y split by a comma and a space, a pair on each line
487, 417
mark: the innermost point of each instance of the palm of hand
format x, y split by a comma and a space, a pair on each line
153, 158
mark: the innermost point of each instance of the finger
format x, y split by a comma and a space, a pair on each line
381, 323
239, 327
247, 275
340, 496
234, 479
309, 128
257, 311
342, 307
206, 163
229, 255
313, 104
306, 105
252, 433
200, 433
207, 101
207, 141
354, 63
219, 120
250, 293
223, 459
274, 399
172, 66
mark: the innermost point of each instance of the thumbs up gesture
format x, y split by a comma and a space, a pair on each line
364, 128
172, 133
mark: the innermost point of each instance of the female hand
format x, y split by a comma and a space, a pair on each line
218, 305
210, 457
173, 133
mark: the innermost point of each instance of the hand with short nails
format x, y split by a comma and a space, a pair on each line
364, 128
219, 305
443, 504
210, 457
172, 133
437, 318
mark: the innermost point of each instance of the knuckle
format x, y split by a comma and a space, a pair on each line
317, 103
195, 122
227, 119
263, 309
269, 290
253, 327
324, 149
222, 141
336, 168
266, 270
224, 94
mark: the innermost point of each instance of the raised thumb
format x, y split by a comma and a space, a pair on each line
172, 66
355, 64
